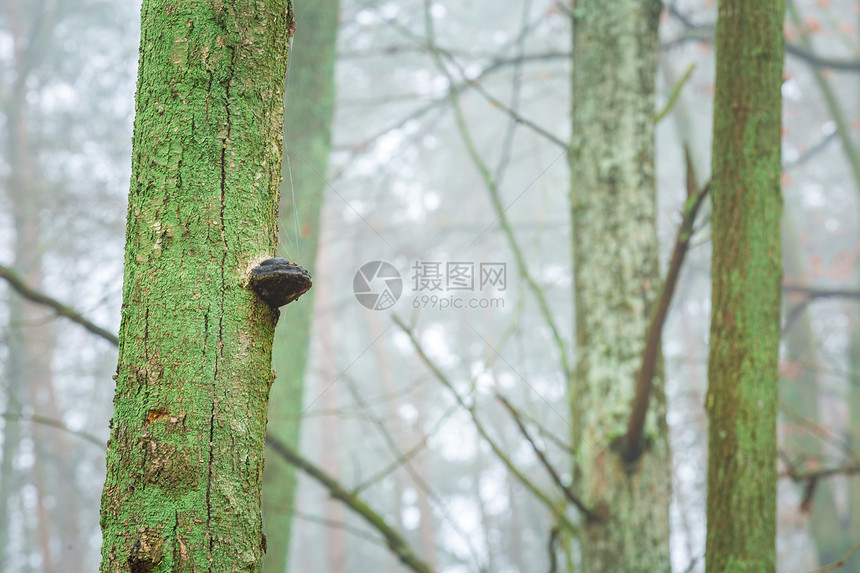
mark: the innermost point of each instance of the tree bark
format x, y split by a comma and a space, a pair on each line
746, 275
615, 281
185, 456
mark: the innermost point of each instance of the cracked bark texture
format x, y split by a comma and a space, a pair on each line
746, 277
615, 282
185, 456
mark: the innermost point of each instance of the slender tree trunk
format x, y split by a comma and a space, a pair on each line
185, 456
616, 277
746, 275
330, 431
307, 127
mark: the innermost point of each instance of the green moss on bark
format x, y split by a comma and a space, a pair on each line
746, 276
185, 457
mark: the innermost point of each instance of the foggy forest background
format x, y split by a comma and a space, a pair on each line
402, 188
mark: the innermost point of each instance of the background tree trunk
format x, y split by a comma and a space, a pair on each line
746, 275
307, 139
185, 457
616, 277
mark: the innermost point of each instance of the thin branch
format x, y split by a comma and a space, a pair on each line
811, 151
334, 524
516, 93
812, 294
839, 563
704, 33
547, 434
645, 377
553, 540
676, 91
849, 468
404, 460
514, 115
822, 292
843, 128
495, 198
45, 421
17, 283
568, 493
820, 430
392, 538
498, 450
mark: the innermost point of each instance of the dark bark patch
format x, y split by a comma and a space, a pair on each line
168, 467
146, 553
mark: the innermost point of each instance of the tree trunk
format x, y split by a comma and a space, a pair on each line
746, 276
616, 277
185, 457
307, 127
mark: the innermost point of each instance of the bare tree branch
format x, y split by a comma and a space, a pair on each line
46, 421
17, 283
495, 198
393, 539
645, 377
676, 91
812, 294
497, 449
704, 33
839, 563
848, 468
568, 493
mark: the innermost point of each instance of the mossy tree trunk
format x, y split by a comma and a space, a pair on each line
307, 140
185, 457
746, 276
616, 277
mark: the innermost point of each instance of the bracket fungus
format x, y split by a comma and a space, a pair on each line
279, 282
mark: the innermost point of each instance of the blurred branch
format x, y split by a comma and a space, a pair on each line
392, 538
820, 292
705, 33
811, 295
545, 462
833, 106
403, 459
659, 311
819, 430
495, 197
839, 563
849, 468
45, 421
676, 91
367, 536
514, 115
553, 540
516, 91
498, 450
546, 433
17, 283
810, 152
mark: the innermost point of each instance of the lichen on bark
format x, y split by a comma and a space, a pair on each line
616, 277
185, 457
